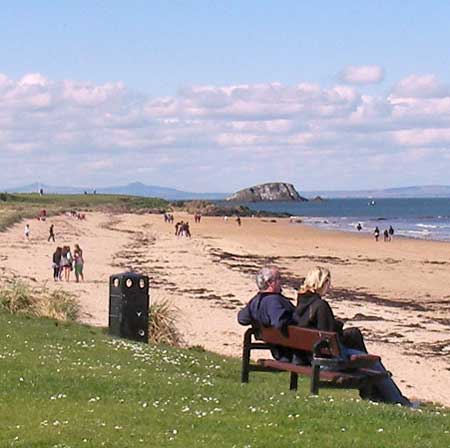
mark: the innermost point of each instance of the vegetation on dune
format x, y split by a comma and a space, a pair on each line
162, 323
15, 207
18, 297
69, 385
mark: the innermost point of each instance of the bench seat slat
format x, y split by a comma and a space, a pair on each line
328, 375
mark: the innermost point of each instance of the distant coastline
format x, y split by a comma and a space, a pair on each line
141, 189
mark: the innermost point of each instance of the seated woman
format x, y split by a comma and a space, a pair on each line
314, 312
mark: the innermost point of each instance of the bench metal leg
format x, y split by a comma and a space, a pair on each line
294, 381
246, 356
315, 380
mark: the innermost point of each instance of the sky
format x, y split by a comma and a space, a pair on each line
209, 96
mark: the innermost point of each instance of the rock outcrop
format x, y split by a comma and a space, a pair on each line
275, 191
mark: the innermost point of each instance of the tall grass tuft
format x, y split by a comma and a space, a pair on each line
58, 304
162, 323
18, 297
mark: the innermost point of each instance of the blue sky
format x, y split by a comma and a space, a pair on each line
215, 96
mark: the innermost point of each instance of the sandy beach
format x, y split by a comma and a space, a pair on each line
398, 293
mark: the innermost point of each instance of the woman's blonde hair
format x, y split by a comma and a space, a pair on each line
315, 280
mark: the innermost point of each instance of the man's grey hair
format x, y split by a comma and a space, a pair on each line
265, 275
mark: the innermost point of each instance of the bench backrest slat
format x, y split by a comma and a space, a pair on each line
302, 339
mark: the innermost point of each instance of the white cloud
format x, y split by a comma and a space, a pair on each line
420, 86
33, 79
97, 128
362, 74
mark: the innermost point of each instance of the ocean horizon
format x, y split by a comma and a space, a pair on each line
420, 218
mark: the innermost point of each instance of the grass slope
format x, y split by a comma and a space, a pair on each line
67, 385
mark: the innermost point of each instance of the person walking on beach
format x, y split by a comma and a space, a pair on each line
26, 232
51, 233
78, 263
184, 230
56, 265
238, 220
391, 233
178, 226
376, 233
386, 235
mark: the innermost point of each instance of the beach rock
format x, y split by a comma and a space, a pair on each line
206, 208
275, 191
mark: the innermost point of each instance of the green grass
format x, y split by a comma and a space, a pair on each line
67, 385
15, 207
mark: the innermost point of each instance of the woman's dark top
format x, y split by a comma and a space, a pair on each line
314, 312
57, 257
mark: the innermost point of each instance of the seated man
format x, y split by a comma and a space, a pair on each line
269, 308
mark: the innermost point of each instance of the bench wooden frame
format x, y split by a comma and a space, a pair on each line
329, 367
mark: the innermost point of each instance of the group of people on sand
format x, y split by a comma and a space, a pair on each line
388, 234
270, 308
168, 217
182, 229
77, 215
238, 220
64, 262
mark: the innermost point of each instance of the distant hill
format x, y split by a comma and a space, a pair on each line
426, 191
133, 189
171, 194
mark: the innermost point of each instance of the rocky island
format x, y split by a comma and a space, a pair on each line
274, 191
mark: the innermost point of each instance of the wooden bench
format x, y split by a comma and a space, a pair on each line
329, 367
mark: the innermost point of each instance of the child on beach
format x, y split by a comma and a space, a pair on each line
56, 265
66, 263
78, 262
26, 232
376, 233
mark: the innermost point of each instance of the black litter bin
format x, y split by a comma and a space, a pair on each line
128, 306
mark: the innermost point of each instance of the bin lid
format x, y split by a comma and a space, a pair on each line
128, 274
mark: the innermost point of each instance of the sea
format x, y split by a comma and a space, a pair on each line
422, 218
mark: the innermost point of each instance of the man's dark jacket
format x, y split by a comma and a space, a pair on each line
267, 309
